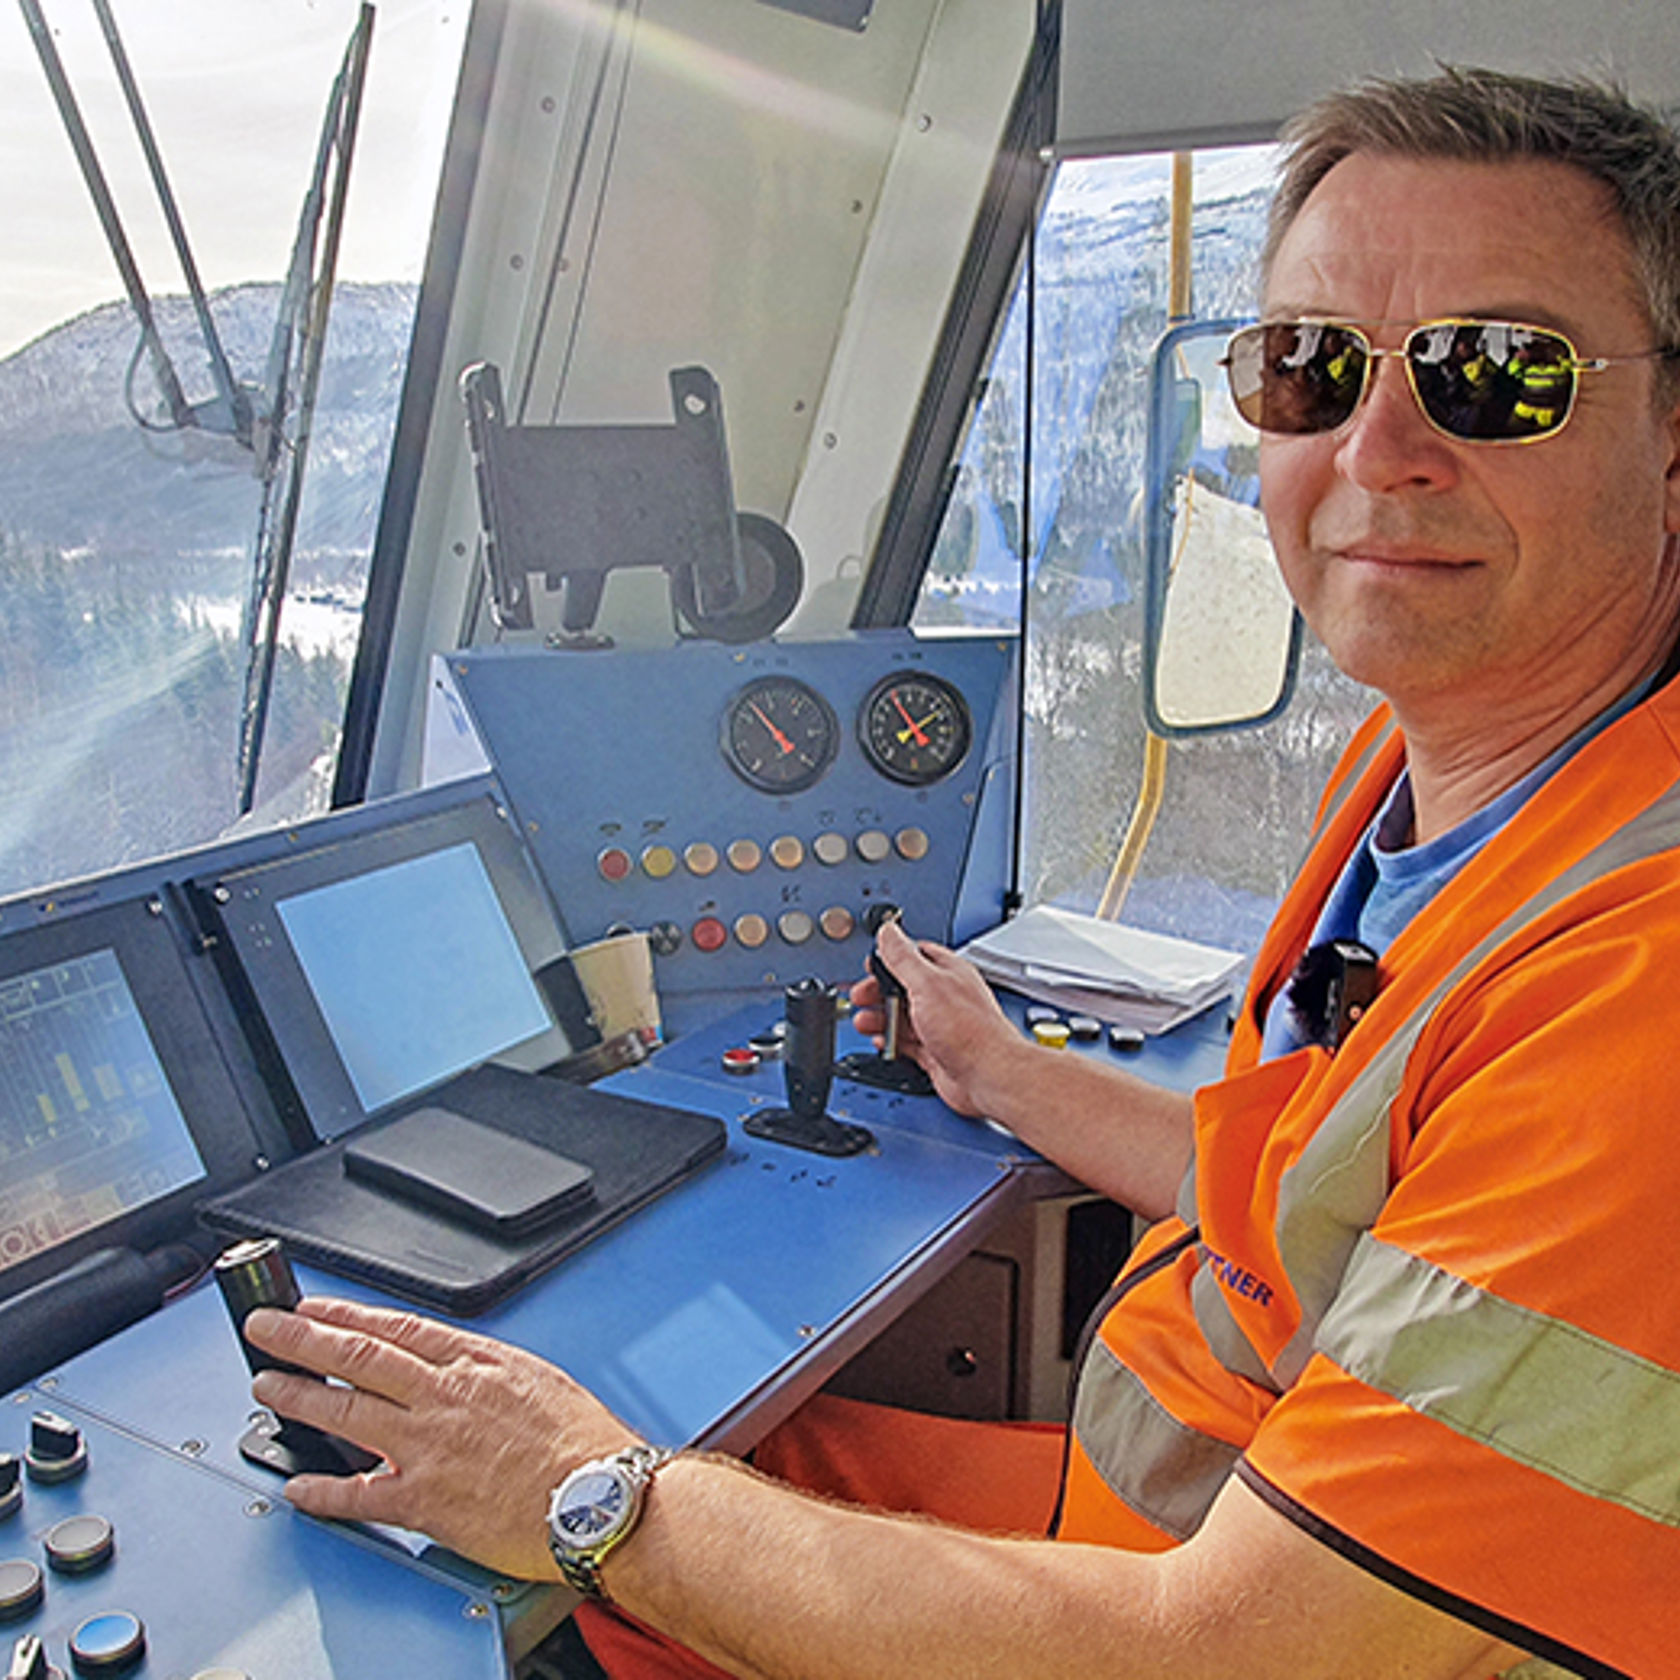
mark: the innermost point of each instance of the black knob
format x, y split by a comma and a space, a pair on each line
256, 1274
11, 1484
808, 1048
57, 1452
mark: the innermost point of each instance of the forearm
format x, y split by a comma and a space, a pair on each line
773, 1585
1120, 1135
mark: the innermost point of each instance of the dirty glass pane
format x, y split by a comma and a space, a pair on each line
127, 535
1236, 807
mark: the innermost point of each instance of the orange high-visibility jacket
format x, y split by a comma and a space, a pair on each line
1433, 1314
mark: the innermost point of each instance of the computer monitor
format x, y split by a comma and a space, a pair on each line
117, 1113
386, 963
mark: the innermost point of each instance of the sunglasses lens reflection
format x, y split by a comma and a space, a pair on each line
1483, 381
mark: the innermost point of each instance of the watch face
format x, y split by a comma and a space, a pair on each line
596, 1504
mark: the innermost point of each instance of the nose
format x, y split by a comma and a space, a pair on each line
1389, 444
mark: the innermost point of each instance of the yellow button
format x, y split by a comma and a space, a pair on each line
659, 861
837, 922
751, 930
745, 856
912, 844
787, 851
873, 846
701, 856
795, 926
1053, 1035
831, 848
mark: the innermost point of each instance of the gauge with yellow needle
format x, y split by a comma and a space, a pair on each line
914, 728
780, 735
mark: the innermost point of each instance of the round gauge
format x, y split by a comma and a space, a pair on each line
914, 728
780, 735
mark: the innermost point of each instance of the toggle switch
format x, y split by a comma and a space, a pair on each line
29, 1661
57, 1452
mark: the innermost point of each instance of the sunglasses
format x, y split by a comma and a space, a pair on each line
1476, 381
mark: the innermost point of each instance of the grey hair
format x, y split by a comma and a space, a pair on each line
1487, 116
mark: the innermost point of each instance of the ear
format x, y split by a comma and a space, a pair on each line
1671, 504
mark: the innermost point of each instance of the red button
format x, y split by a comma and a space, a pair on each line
614, 864
709, 934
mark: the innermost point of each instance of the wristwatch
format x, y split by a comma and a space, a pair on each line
593, 1510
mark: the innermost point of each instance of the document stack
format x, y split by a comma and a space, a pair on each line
1118, 974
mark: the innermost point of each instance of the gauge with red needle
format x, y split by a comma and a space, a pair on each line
780, 735
914, 728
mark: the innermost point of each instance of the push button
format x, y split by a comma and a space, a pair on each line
831, 848
751, 929
912, 844
21, 1588
787, 851
614, 864
80, 1545
709, 934
873, 846
795, 926
658, 862
837, 922
110, 1643
701, 856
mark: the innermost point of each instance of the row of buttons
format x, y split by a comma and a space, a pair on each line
751, 930
787, 851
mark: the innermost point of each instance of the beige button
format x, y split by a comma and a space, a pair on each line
701, 856
751, 930
659, 861
831, 848
795, 926
745, 856
787, 851
873, 846
837, 922
912, 844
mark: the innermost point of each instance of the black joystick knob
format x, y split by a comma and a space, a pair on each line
257, 1273
11, 1484
56, 1452
891, 1070
808, 1047
808, 1065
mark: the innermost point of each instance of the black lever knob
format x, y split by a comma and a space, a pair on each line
56, 1451
256, 1274
11, 1484
875, 918
808, 1047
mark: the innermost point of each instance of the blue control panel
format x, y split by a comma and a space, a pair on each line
746, 806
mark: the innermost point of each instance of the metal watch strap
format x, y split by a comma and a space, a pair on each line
582, 1570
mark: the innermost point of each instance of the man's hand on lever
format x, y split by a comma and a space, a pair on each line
950, 1023
474, 1433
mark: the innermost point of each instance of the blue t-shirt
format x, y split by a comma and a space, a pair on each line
1387, 881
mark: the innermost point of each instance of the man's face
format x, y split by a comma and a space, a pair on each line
1509, 576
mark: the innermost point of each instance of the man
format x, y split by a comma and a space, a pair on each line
1400, 1394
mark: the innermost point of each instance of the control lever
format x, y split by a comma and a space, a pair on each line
891, 1070
256, 1273
808, 1065
29, 1661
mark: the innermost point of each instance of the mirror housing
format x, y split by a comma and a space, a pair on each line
1222, 637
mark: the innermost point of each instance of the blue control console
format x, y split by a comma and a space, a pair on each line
746, 806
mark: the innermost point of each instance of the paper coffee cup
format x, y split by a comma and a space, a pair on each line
617, 978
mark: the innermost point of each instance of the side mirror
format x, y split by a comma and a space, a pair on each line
1222, 637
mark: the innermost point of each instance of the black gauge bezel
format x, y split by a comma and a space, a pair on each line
908, 775
811, 771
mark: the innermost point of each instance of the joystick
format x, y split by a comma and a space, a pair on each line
253, 1274
890, 1070
808, 1064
